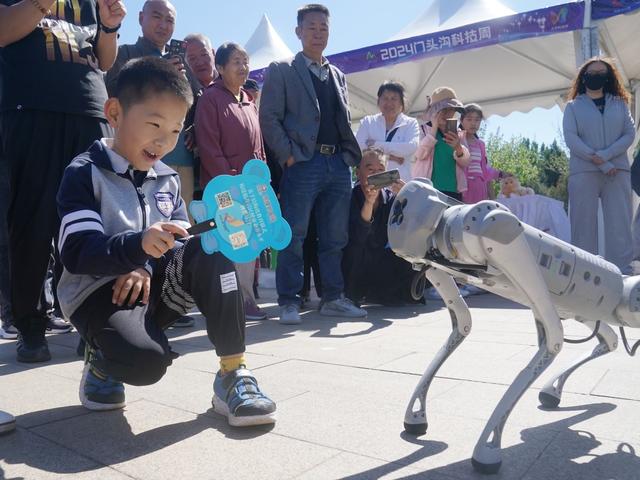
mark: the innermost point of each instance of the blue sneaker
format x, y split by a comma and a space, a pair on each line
237, 396
99, 391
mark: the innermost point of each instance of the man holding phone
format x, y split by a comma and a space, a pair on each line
372, 272
157, 21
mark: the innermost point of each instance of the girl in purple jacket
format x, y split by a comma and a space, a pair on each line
479, 173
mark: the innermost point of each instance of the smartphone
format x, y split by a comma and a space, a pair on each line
177, 48
452, 125
384, 179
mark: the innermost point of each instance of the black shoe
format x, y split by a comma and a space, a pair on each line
56, 324
183, 322
32, 349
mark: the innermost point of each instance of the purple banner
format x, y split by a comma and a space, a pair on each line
547, 21
609, 8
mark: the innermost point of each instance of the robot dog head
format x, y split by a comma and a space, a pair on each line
415, 215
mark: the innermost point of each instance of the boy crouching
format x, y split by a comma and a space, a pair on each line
126, 278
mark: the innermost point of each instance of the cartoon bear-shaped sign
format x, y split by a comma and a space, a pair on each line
246, 212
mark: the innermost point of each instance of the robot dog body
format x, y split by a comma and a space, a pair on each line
487, 246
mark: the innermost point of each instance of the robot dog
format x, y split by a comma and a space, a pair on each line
487, 246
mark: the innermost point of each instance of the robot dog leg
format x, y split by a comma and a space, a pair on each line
503, 240
415, 417
551, 393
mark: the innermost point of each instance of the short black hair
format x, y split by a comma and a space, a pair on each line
224, 52
143, 77
392, 87
309, 8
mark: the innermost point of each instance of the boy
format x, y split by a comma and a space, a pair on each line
125, 277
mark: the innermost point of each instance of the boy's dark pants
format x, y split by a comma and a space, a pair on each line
38, 146
134, 348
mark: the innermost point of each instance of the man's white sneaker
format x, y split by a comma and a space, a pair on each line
290, 315
8, 331
342, 307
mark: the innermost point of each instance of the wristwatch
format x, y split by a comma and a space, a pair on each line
110, 30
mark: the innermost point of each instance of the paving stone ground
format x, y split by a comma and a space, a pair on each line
341, 389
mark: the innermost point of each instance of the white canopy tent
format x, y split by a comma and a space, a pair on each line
506, 76
451, 14
266, 45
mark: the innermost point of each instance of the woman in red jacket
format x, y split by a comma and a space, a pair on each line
228, 135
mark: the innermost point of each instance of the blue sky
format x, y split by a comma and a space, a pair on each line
354, 24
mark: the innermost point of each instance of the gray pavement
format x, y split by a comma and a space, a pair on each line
341, 389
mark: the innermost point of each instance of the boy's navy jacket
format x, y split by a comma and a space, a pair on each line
104, 209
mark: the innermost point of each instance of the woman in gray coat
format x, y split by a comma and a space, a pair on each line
598, 129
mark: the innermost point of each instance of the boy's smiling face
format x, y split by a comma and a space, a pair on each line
146, 131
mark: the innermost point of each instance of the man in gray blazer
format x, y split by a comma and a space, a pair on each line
305, 121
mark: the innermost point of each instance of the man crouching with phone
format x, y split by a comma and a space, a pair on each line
373, 274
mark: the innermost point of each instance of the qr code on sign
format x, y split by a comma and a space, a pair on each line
238, 240
224, 200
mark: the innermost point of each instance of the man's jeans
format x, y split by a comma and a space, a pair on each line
323, 181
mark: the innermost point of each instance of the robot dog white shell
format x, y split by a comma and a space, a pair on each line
484, 244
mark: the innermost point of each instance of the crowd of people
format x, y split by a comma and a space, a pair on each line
81, 151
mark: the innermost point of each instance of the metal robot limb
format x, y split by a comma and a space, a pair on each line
507, 249
415, 417
551, 393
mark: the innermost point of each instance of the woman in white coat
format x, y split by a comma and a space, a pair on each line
391, 131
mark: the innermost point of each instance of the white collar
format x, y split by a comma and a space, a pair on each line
120, 164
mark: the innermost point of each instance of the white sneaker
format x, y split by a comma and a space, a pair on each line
8, 331
342, 307
290, 315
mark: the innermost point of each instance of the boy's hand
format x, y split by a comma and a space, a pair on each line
130, 285
158, 239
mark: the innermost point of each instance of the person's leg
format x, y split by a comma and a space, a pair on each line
314, 262
36, 168
246, 272
617, 211
124, 345
298, 191
584, 192
7, 329
636, 235
211, 282
332, 222
49, 307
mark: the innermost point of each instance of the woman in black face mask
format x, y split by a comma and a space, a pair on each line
598, 129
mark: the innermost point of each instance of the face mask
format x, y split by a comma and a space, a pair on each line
595, 82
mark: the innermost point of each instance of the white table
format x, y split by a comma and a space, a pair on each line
543, 213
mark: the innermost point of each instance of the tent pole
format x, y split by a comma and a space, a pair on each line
586, 51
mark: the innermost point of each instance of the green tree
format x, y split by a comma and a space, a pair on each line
541, 167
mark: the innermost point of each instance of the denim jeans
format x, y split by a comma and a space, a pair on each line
323, 182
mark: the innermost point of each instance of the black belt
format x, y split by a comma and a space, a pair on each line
327, 149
